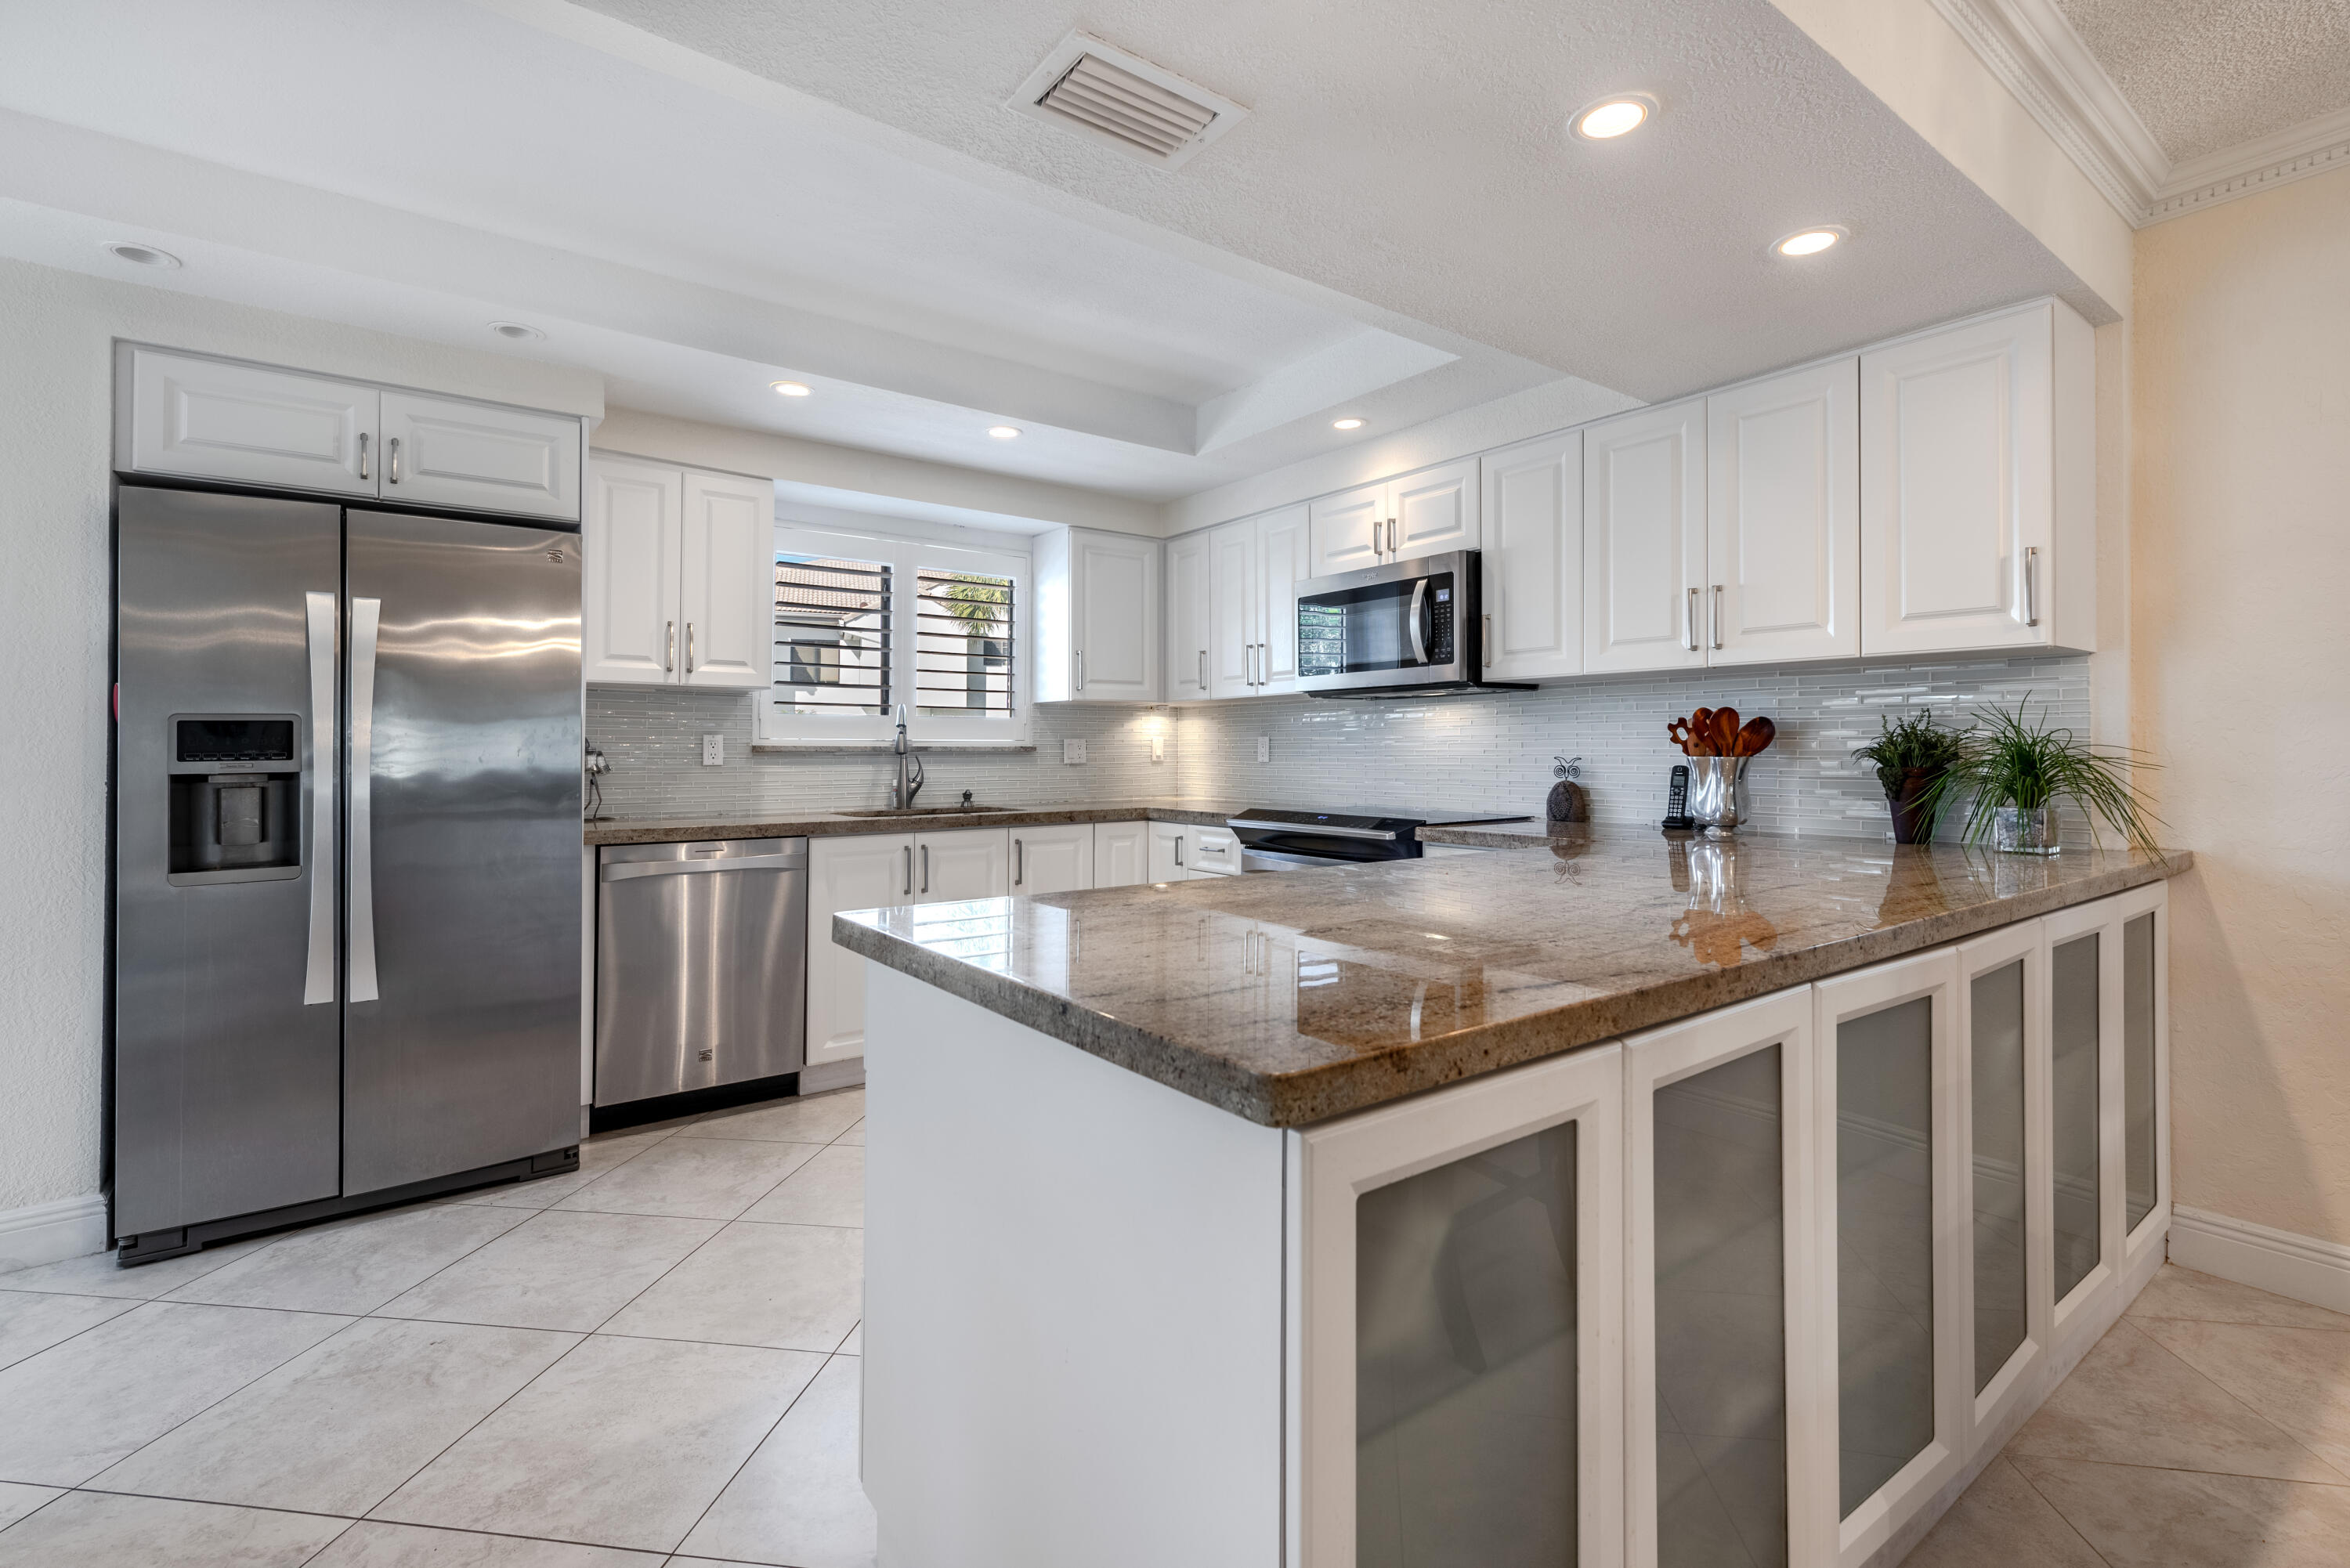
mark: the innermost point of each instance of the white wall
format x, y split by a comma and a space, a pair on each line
56, 422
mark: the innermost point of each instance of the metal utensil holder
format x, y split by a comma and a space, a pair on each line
1717, 798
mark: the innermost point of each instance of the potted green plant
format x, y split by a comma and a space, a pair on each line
2016, 772
1909, 756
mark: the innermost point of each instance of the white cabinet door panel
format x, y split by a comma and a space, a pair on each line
1054, 860
1190, 627
1644, 539
856, 871
1956, 482
443, 451
971, 863
210, 419
1212, 852
1232, 600
1783, 497
1117, 613
1349, 530
1121, 854
1284, 556
1432, 511
1533, 496
726, 591
631, 540
1170, 847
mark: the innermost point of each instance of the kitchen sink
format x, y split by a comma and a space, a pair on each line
923, 811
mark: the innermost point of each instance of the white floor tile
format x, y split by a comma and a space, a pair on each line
557, 1270
855, 1136
77, 1408
693, 1177
17, 1501
622, 1443
798, 1501
32, 1321
827, 1190
92, 1530
818, 1118
340, 1427
854, 1344
97, 1275
790, 1287
353, 1265
368, 1545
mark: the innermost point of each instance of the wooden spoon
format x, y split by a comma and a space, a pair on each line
1700, 729
1757, 735
1725, 731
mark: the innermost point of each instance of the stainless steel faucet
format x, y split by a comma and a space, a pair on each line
910, 768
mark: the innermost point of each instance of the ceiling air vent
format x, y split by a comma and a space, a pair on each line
1143, 109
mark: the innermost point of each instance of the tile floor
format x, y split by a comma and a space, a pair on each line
653, 1361
2210, 1429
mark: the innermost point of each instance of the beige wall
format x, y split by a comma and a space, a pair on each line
2240, 565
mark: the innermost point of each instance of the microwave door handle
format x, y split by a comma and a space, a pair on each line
1419, 605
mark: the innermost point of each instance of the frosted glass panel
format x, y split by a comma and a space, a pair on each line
1996, 1011
1465, 1362
2073, 1106
1722, 1373
2138, 1066
1885, 1244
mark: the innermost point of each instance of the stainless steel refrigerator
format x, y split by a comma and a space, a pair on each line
346, 860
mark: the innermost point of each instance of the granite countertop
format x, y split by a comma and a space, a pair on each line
1292, 998
817, 823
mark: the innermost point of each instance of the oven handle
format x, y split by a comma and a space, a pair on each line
1322, 829
1418, 603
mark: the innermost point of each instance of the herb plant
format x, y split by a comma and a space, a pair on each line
2007, 761
1915, 745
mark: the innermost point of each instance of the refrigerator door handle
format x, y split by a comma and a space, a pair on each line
319, 977
366, 616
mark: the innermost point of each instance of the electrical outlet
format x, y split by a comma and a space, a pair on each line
1073, 751
1157, 748
713, 750
1265, 748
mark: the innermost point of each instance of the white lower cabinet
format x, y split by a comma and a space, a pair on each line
967, 863
1169, 844
851, 871
1215, 852
1057, 860
1121, 854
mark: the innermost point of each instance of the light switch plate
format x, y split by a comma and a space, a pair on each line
1157, 748
1073, 751
713, 750
1265, 748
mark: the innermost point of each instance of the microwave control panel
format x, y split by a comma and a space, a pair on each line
1439, 639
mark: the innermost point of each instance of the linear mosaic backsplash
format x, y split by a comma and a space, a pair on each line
1491, 753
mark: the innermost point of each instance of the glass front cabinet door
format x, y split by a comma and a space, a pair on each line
1458, 1336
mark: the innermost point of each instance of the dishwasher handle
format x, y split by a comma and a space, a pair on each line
624, 870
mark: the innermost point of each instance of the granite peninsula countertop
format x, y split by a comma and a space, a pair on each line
1292, 998
818, 824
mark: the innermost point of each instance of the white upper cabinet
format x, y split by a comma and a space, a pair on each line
1783, 502
1532, 587
727, 589
442, 451
1097, 598
1978, 487
199, 417
1284, 556
1644, 539
1236, 610
214, 419
1397, 519
679, 583
1188, 628
632, 540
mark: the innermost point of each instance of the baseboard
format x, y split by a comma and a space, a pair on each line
2279, 1261
49, 1232
827, 1076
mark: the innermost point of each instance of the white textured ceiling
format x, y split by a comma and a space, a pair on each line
2205, 75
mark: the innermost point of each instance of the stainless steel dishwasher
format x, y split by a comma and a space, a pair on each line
701, 965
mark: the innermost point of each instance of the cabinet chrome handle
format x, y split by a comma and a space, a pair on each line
1203, 669
1019, 862
319, 982
926, 868
363, 454
1485, 636
669, 648
391, 454
1079, 657
910, 870
689, 647
1179, 849
1717, 615
2031, 586
1692, 621
366, 616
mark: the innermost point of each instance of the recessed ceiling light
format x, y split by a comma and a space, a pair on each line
790, 389
1349, 423
141, 256
1614, 116
1809, 242
515, 332
1004, 432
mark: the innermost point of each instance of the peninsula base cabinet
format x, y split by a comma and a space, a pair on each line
1770, 1284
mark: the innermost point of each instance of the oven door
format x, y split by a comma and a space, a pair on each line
1403, 624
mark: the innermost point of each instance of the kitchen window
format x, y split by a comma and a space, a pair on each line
867, 622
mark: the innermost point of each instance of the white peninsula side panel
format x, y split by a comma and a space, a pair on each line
1073, 1286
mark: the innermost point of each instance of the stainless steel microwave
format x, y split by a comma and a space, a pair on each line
1407, 628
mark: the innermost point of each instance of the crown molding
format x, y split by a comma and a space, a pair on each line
2036, 53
